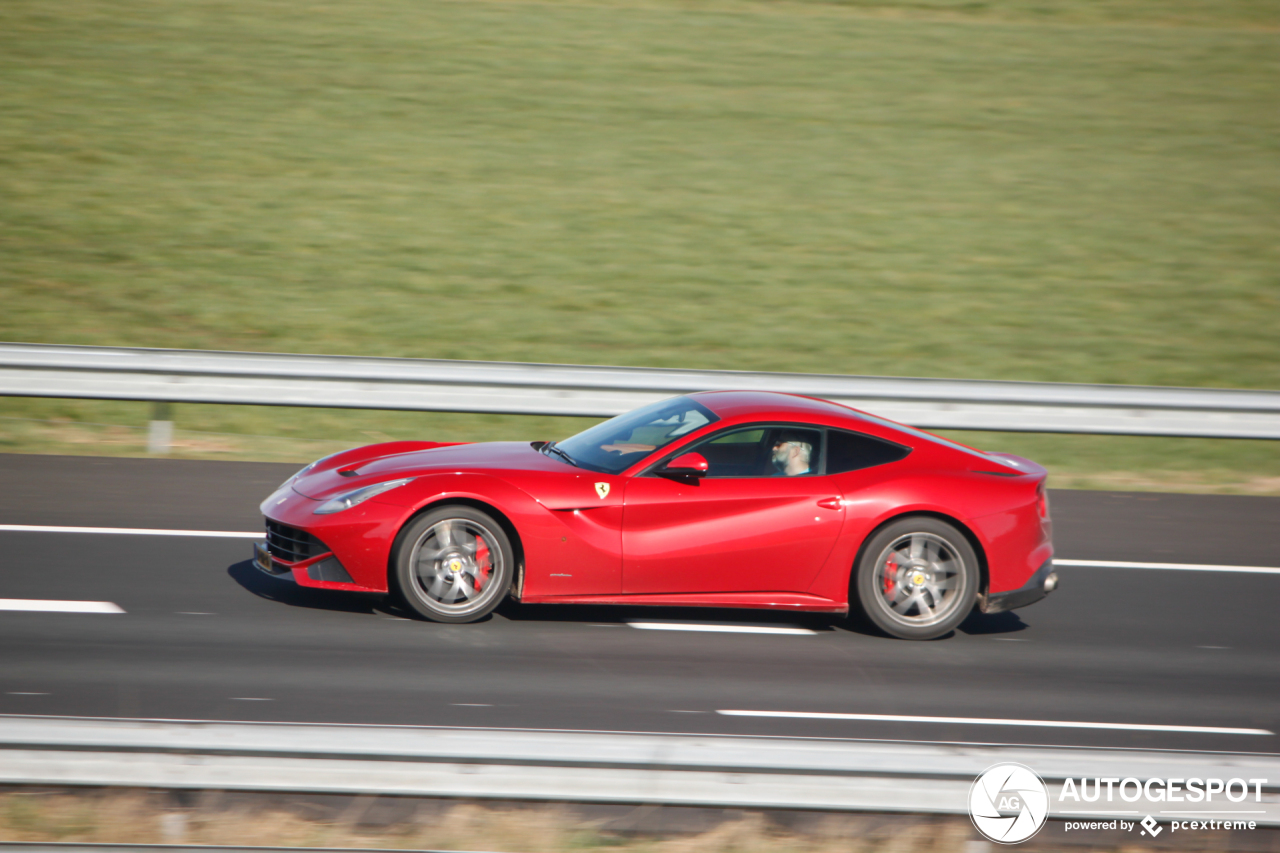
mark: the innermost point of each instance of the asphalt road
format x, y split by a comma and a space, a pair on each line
204, 636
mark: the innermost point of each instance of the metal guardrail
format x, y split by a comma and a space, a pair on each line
590, 767
273, 379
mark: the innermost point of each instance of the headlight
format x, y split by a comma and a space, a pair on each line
347, 500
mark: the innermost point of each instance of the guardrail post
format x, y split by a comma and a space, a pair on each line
160, 430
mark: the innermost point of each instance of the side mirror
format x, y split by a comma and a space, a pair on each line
687, 465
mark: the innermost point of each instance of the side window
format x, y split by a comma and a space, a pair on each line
849, 451
774, 451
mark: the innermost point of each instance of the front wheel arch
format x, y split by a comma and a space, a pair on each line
513, 536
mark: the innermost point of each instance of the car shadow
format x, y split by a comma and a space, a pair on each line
282, 591
976, 623
287, 592
621, 614
991, 623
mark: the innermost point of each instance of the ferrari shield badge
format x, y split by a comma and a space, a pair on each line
602, 489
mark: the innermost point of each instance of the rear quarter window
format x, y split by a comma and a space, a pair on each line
851, 451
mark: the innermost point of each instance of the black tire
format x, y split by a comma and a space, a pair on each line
453, 564
917, 578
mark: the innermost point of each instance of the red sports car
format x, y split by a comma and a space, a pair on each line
717, 499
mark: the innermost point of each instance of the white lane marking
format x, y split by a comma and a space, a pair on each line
249, 699
258, 534
264, 724
1180, 567
717, 629
137, 531
980, 721
471, 705
195, 613
24, 693
44, 606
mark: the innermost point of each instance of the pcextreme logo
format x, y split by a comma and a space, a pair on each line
1008, 803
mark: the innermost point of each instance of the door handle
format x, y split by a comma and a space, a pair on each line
829, 503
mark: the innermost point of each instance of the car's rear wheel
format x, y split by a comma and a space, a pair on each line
453, 564
917, 578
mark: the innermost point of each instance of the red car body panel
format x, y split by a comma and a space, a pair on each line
726, 535
649, 539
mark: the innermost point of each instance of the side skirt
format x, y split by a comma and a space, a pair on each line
757, 600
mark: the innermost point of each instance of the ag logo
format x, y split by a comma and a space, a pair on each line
1008, 803
602, 489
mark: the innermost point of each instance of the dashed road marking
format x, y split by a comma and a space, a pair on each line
135, 531
717, 629
1177, 567
981, 721
37, 605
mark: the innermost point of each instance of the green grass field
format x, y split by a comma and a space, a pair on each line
1013, 189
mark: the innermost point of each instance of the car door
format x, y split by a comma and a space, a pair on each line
745, 526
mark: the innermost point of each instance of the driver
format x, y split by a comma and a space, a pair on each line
791, 455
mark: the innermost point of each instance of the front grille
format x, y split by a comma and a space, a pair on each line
290, 544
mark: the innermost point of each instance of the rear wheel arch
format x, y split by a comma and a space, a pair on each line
974, 542
874, 536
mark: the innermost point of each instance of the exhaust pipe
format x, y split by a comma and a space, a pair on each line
1051, 582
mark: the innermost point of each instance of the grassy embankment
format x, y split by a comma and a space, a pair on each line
138, 817
1010, 189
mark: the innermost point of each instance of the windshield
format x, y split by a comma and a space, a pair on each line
619, 443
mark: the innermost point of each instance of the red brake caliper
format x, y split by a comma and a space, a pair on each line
482, 563
890, 573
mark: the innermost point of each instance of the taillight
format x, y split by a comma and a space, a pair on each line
1042, 500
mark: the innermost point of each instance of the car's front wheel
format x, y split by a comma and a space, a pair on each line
917, 578
453, 564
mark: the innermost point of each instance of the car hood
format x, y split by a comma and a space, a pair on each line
377, 463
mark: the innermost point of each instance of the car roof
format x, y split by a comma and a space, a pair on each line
734, 404
746, 406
